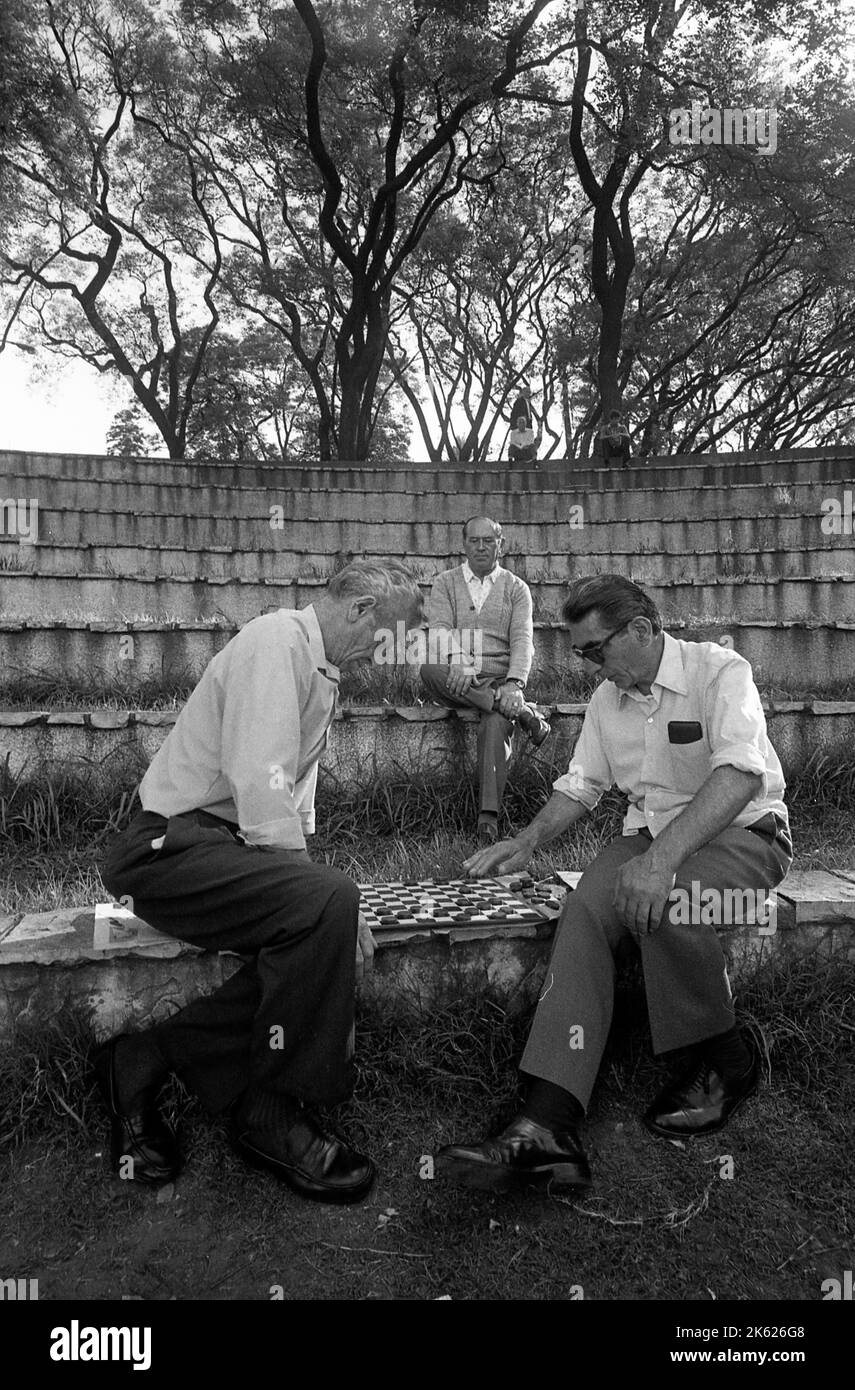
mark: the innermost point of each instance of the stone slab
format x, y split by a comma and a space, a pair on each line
818, 896
109, 718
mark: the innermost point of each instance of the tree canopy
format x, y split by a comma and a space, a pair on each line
279, 222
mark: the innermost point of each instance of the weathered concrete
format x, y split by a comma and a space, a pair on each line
826, 596
821, 464
366, 742
687, 550
424, 969
792, 655
183, 553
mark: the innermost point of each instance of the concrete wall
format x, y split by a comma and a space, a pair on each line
183, 553
366, 741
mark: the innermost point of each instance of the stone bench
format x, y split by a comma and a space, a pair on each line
48, 960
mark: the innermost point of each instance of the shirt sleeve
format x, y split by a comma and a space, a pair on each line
736, 723
589, 774
521, 635
260, 739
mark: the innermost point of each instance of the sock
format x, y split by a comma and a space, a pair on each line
728, 1053
551, 1106
269, 1111
488, 817
140, 1067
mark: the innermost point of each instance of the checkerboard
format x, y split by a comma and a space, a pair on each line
459, 902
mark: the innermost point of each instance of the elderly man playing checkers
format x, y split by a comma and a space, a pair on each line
487, 611
679, 727
217, 857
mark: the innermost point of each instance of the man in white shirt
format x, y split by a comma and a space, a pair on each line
217, 857
523, 441
679, 727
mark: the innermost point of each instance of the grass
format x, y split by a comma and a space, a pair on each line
660, 1222
55, 822
169, 688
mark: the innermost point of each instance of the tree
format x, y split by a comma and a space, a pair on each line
109, 251
359, 122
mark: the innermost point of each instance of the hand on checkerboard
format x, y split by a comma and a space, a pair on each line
505, 857
365, 944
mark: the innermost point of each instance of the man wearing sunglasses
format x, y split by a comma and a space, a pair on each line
679, 727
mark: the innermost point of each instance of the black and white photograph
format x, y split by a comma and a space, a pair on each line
427, 462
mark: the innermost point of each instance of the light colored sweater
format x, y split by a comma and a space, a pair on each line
505, 620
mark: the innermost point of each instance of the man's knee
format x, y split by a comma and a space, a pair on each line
433, 675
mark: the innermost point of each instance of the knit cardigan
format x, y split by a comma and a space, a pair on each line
505, 620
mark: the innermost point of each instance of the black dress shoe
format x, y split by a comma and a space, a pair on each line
700, 1101
523, 1153
139, 1134
537, 728
312, 1161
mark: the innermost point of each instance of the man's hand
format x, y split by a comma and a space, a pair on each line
365, 945
459, 679
510, 700
506, 857
641, 894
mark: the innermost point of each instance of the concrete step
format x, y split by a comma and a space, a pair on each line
662, 470
782, 653
715, 588
623, 520
139, 501
58, 485
786, 546
369, 741
50, 959
751, 598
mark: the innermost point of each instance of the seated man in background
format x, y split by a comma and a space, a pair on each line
614, 440
217, 857
488, 612
679, 727
523, 441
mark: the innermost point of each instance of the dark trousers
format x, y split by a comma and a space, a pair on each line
685, 974
281, 1024
495, 732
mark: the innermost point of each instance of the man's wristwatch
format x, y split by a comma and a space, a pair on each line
515, 680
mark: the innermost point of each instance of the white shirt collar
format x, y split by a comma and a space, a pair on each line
308, 618
469, 575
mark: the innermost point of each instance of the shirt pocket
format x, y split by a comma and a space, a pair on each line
689, 764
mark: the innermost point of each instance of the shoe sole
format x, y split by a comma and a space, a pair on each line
255, 1158
662, 1133
495, 1177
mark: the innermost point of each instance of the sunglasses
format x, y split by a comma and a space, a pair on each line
595, 651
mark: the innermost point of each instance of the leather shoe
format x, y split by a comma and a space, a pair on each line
537, 728
700, 1101
312, 1161
139, 1133
524, 1153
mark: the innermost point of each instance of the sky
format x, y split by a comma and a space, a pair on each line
65, 412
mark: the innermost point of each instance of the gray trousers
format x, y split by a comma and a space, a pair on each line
495, 732
685, 973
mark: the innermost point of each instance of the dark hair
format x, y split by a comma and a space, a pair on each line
497, 529
616, 599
